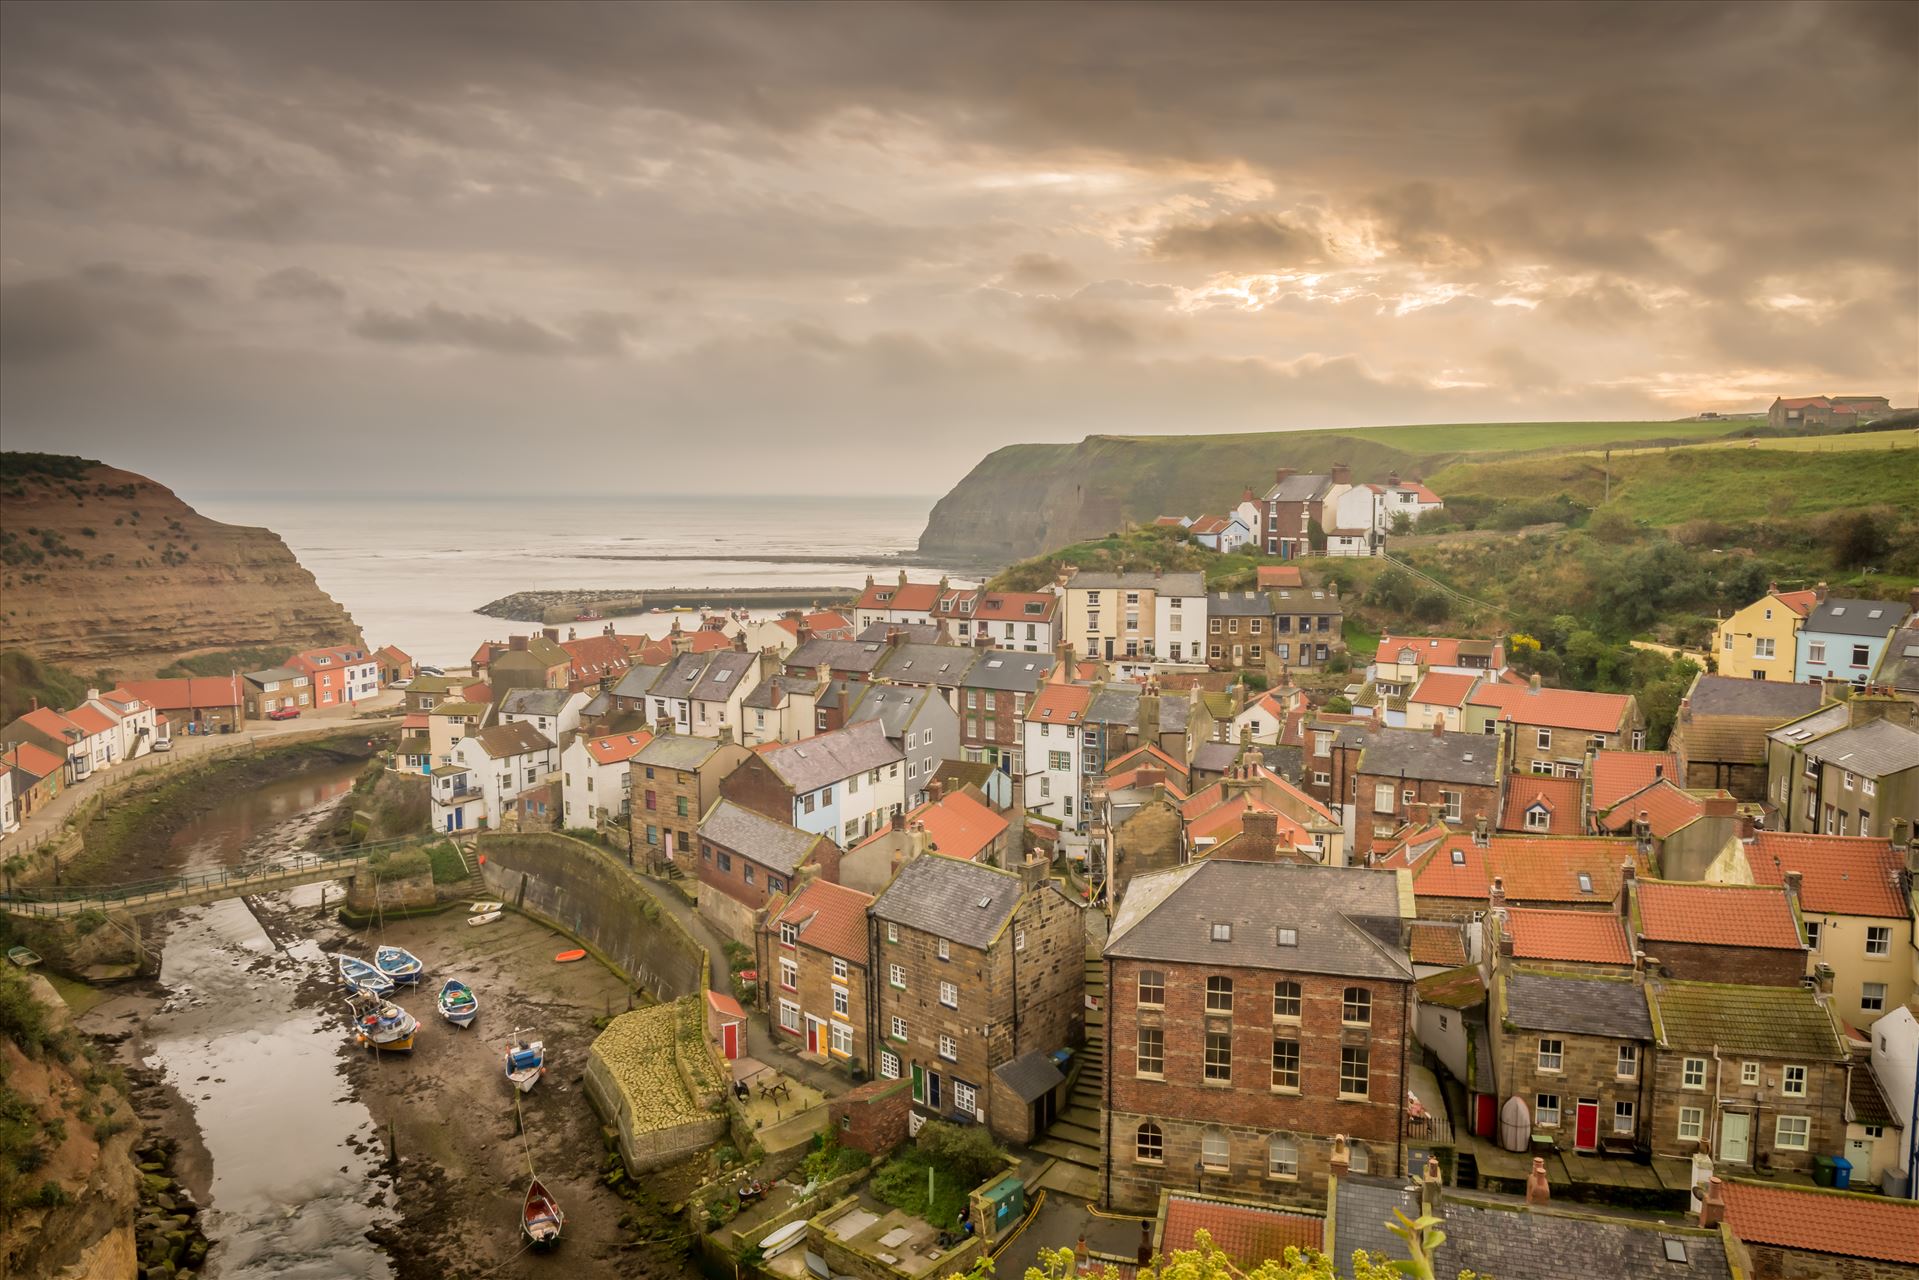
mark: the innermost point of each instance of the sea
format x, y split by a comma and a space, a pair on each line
412, 569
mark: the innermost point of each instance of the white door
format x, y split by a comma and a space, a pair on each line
1859, 1152
1735, 1137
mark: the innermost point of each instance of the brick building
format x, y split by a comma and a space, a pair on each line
812, 951
675, 780
1393, 769
1574, 1048
973, 969
1723, 722
1550, 731
1757, 1076
993, 694
1454, 879
1717, 932
747, 858
1256, 1009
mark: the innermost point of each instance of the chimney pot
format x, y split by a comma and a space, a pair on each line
1712, 1206
935, 790
1342, 1158
1539, 1188
1532, 685
1429, 1205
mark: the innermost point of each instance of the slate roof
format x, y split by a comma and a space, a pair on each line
1215, 757
1031, 1075
771, 843
1578, 937
725, 672
1833, 1222
1876, 749
1769, 1022
773, 690
1715, 915
677, 751
503, 740
831, 918
1502, 1236
910, 632
1471, 759
1238, 604
964, 902
841, 655
1900, 666
818, 761
534, 702
1168, 584
1774, 700
271, 674
1119, 704
1345, 919
1301, 487
1004, 669
1839, 616
894, 706
936, 664
1247, 1234
1839, 875
1577, 1004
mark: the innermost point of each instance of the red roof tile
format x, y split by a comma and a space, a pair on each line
1667, 807
1585, 937
1145, 757
914, 597
188, 692
596, 656
1432, 651
394, 653
1841, 875
1836, 1222
1718, 915
35, 760
825, 625
92, 719
1532, 868
1800, 402
1558, 796
1443, 689
1440, 942
1059, 704
1244, 1233
617, 747
1573, 709
1280, 575
51, 723
959, 826
1800, 602
1617, 774
725, 1005
831, 917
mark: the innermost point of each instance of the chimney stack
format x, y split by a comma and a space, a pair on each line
1539, 1189
898, 821
726, 735
1482, 833
916, 840
1149, 720
1259, 836
1795, 883
518, 643
935, 791
802, 631
1032, 872
1497, 900
1532, 685
551, 633
1719, 806
1280, 474
1342, 473
1712, 1206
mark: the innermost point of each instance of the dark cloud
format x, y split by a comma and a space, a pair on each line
298, 284
1091, 326
94, 308
1041, 271
593, 334
1253, 239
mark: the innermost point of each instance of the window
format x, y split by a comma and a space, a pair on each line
789, 933
949, 1048
789, 974
1354, 1068
1793, 1082
1538, 818
1356, 1009
1286, 999
1359, 1159
1152, 1052
892, 933
1019, 939
1628, 1067
949, 995
896, 975
889, 1065
1692, 1123
1219, 1057
1286, 1064
1872, 997
1222, 932
1815, 650
1152, 987
1623, 1117
1812, 934
1861, 654
839, 968
1544, 739
1551, 1055
1150, 1146
746, 872
1452, 802
789, 1016
1219, 995
1792, 1133
965, 1098
1692, 1073
842, 1002
1763, 647
1383, 797
1290, 937
1749, 1073
943, 950
1871, 787
899, 1029
1214, 1152
1878, 940
1282, 1158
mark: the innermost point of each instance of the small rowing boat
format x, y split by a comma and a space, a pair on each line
541, 1219
380, 1024
481, 908
458, 1004
398, 964
783, 1239
361, 976
23, 957
485, 917
568, 957
525, 1062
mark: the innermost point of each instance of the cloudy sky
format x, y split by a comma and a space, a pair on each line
713, 248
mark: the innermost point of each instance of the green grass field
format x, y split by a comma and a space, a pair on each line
1527, 437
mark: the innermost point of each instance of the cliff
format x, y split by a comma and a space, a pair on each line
1028, 498
102, 568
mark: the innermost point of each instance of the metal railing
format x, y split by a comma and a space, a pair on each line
50, 899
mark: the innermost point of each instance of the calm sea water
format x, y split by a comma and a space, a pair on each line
412, 570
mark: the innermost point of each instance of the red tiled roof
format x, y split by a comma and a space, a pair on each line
1207, 524
1434, 651
1840, 875
1574, 709
1280, 575
1617, 774
1010, 606
1443, 689
1244, 1233
915, 597
1718, 915
36, 760
657, 653
725, 1005
959, 826
1800, 402
1147, 756
51, 723
1533, 868
1667, 807
1171, 521
188, 692
1126, 779
1441, 942
822, 625
1560, 796
618, 746
394, 652
1059, 704
92, 719
1800, 602
832, 918
1586, 937
416, 720
1835, 1222
595, 656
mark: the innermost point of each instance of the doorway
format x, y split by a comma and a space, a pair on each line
1586, 1125
1735, 1137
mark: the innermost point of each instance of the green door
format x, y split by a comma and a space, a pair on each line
919, 1084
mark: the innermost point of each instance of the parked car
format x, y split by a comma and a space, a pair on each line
399, 684
430, 671
284, 713
162, 744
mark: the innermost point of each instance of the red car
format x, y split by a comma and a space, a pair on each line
284, 713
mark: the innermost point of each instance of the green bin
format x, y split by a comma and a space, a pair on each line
1822, 1170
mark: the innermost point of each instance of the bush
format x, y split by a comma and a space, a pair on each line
1339, 704
1855, 539
967, 1150
1432, 607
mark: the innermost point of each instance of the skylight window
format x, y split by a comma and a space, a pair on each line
1288, 937
1585, 882
1839, 611
993, 663
1459, 857
1675, 1250
1222, 932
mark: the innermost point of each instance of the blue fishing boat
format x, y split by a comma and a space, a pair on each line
458, 1004
380, 1024
525, 1062
361, 976
398, 964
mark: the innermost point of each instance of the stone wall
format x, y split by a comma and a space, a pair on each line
873, 1118
727, 914
594, 897
1744, 966
654, 1148
368, 893
844, 1260
1769, 1262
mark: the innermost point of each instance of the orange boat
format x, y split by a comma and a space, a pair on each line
568, 957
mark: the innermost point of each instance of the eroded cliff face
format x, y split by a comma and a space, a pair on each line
102, 568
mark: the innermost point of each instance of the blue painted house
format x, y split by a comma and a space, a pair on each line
1843, 639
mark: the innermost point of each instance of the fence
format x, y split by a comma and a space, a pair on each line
45, 899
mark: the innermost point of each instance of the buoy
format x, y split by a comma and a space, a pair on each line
568, 957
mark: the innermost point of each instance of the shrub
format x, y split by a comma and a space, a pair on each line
1432, 607
967, 1150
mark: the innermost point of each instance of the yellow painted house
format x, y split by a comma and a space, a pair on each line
1761, 640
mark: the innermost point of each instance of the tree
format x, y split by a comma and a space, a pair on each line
1339, 704
1206, 1262
1393, 590
1432, 607
1856, 539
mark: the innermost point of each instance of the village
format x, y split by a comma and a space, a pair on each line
1096, 916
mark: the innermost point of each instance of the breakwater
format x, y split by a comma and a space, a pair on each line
549, 607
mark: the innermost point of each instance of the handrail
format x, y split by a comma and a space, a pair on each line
264, 868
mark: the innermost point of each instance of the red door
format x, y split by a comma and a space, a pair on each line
1586, 1126
812, 1036
730, 1040
1487, 1115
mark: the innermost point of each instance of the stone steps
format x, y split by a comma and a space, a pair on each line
1069, 1152
1074, 1181
1077, 1135
1084, 1117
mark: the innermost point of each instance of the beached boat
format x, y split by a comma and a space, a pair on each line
398, 964
481, 908
380, 1024
458, 1004
568, 957
485, 917
23, 957
361, 976
541, 1219
785, 1238
525, 1062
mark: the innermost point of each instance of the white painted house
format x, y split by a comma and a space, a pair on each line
139, 721
1895, 1064
1054, 732
846, 784
488, 770
554, 712
596, 777
1179, 623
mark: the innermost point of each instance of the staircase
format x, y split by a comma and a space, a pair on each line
1465, 1169
475, 882
1074, 1138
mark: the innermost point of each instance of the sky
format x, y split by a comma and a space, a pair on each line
727, 248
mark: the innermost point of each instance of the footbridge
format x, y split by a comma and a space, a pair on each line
280, 871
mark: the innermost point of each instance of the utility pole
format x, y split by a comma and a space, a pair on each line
1608, 475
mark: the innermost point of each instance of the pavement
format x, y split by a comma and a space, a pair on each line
1059, 1224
